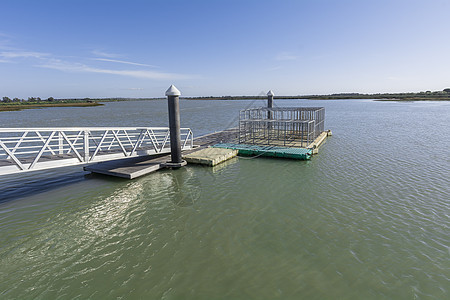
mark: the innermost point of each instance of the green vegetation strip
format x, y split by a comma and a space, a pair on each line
21, 106
268, 151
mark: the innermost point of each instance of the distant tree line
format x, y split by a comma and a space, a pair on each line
427, 95
34, 100
30, 99
444, 95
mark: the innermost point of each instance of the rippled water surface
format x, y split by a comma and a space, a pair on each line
367, 218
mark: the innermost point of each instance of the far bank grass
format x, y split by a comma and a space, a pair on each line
21, 106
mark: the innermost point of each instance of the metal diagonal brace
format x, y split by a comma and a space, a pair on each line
47, 142
99, 146
75, 141
153, 138
72, 146
128, 137
14, 158
165, 140
19, 142
120, 143
187, 138
42, 140
138, 141
93, 138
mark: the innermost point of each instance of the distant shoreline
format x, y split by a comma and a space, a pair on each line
22, 106
90, 102
421, 96
406, 99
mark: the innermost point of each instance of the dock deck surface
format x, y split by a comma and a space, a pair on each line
268, 151
131, 168
210, 156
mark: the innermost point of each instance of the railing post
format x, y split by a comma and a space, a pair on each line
86, 146
60, 143
173, 95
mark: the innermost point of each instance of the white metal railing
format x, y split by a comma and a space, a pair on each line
28, 149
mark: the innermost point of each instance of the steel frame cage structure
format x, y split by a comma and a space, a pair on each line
284, 126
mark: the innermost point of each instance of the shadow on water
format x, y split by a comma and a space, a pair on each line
38, 182
183, 184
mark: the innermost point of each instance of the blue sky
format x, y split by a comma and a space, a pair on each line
77, 48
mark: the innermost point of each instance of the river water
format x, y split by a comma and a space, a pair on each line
366, 218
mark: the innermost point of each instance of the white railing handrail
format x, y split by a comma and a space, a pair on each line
81, 128
28, 149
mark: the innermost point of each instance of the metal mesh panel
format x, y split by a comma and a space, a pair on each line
283, 126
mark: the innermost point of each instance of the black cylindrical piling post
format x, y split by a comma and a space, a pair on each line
173, 95
270, 95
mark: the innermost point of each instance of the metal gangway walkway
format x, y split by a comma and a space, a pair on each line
29, 149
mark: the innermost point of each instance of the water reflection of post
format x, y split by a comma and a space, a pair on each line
185, 190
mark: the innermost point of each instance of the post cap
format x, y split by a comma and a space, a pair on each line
270, 93
173, 91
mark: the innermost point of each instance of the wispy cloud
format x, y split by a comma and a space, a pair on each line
105, 54
14, 55
286, 56
66, 66
22, 54
124, 62
46, 60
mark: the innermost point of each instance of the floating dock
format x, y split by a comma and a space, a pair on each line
210, 156
319, 141
129, 168
294, 133
268, 151
207, 151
